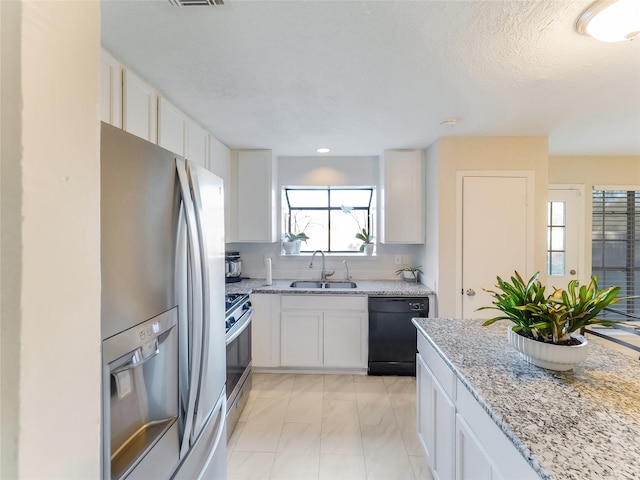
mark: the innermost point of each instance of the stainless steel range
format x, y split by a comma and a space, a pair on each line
238, 324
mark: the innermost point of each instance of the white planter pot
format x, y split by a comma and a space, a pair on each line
291, 248
548, 355
368, 249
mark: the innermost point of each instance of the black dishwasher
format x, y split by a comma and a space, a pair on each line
392, 336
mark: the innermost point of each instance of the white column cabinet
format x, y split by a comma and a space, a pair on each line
265, 330
425, 408
324, 331
110, 90
172, 127
402, 212
140, 107
256, 196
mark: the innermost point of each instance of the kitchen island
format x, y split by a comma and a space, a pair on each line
580, 424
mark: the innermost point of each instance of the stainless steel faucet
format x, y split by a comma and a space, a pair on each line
323, 274
346, 265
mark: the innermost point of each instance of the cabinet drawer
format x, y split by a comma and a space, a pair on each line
324, 302
441, 371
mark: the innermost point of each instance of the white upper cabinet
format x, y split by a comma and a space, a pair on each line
172, 127
256, 194
140, 107
197, 143
402, 197
110, 90
219, 162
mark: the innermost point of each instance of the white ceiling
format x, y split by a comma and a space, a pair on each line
360, 77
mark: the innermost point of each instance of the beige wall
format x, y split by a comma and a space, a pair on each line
50, 257
455, 154
609, 171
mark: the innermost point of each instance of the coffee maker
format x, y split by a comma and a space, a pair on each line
233, 267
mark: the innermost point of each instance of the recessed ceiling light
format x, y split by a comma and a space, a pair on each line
611, 20
323, 150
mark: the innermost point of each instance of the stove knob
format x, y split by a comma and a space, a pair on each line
246, 306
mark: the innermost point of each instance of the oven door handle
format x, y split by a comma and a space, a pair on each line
245, 321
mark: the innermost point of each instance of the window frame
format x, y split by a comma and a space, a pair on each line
288, 210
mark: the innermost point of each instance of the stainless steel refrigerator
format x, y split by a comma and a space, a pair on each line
163, 331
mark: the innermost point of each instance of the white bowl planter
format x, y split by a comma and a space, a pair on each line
549, 355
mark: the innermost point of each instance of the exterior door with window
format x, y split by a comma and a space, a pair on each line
565, 237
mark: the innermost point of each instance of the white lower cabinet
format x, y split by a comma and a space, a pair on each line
265, 330
459, 438
472, 462
323, 331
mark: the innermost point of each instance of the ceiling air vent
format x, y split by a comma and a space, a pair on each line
196, 3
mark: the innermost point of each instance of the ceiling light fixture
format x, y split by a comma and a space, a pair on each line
611, 20
449, 122
323, 150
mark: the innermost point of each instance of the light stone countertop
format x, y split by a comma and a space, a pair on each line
581, 424
364, 287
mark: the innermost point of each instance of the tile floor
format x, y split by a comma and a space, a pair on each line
332, 427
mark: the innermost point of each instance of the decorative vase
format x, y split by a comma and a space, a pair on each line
368, 249
287, 247
549, 355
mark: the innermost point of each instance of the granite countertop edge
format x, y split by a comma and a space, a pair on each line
364, 287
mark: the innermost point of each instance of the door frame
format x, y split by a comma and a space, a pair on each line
529, 176
583, 276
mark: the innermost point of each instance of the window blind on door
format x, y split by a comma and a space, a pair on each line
616, 245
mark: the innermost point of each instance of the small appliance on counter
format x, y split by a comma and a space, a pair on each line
233, 267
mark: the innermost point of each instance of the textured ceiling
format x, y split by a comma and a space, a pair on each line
361, 77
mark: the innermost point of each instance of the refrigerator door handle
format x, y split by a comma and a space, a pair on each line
220, 409
195, 317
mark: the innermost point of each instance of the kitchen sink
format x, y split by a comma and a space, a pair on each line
312, 284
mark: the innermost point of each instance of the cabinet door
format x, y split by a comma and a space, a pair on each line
110, 90
265, 333
472, 462
344, 339
172, 127
197, 143
444, 414
256, 196
402, 199
425, 407
140, 111
301, 338
219, 162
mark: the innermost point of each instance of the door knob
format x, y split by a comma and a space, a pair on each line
572, 272
470, 292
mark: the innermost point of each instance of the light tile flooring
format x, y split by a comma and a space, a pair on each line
332, 427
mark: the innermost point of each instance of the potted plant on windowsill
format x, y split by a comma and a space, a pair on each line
292, 241
545, 326
362, 234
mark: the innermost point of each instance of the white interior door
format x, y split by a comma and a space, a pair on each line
497, 222
565, 236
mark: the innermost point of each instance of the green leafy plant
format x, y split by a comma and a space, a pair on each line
292, 237
296, 230
414, 271
550, 318
363, 234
